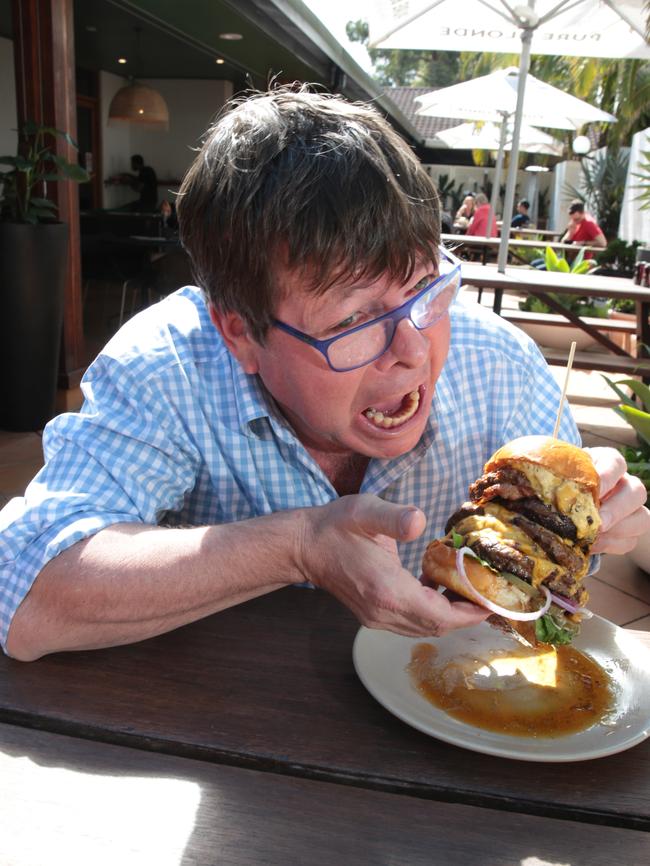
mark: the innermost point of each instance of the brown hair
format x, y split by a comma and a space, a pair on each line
310, 181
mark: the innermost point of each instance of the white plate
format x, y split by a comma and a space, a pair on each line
380, 659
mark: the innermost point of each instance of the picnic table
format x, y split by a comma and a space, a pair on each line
527, 231
530, 281
247, 737
486, 245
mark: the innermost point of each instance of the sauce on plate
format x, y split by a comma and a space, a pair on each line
529, 692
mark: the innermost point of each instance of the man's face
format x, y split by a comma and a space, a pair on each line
329, 411
576, 217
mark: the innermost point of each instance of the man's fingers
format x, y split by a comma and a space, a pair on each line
610, 465
374, 516
624, 535
626, 498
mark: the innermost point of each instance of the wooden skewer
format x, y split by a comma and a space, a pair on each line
572, 352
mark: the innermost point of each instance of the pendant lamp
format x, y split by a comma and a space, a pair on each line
139, 103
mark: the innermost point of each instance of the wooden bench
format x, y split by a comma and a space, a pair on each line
620, 326
605, 361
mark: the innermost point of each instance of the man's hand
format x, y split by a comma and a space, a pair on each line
349, 548
625, 519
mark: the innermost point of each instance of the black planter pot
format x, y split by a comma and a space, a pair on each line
33, 261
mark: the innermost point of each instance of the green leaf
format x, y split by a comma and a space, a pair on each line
582, 268
621, 394
44, 213
642, 391
458, 540
42, 202
563, 266
638, 419
551, 260
547, 630
578, 260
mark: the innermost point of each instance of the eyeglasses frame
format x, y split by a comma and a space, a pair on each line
396, 315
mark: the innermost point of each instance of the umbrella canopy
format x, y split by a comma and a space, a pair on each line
487, 136
492, 96
580, 28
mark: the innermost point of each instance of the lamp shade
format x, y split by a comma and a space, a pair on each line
137, 103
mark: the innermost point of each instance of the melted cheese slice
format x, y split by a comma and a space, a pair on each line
495, 525
566, 496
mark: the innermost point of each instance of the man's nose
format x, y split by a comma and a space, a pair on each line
409, 346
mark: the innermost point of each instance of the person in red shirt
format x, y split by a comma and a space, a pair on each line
583, 229
482, 213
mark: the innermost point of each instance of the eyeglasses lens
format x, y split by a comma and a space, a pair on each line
363, 346
359, 348
434, 303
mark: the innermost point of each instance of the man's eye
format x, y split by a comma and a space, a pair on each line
422, 284
349, 322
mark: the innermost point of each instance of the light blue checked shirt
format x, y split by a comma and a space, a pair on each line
173, 431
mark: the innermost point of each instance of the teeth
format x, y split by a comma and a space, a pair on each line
408, 409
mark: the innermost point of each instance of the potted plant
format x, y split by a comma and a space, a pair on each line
637, 457
33, 261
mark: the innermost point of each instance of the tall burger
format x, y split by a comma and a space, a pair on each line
520, 545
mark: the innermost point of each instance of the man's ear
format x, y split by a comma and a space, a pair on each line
235, 335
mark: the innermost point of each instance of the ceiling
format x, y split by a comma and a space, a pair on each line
281, 40
182, 40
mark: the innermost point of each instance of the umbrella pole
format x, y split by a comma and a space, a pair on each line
524, 65
497, 174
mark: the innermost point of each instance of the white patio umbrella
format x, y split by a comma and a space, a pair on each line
493, 97
583, 28
487, 136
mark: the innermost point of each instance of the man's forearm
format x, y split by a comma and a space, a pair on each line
130, 582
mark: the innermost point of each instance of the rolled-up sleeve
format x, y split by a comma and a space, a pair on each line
124, 458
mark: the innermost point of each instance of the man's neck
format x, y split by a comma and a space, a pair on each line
344, 471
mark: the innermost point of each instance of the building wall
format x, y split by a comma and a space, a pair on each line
193, 105
8, 119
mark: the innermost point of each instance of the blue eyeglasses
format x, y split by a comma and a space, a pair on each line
364, 343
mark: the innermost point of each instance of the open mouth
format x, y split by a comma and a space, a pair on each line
388, 417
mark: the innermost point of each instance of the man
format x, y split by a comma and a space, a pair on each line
583, 230
521, 219
301, 420
145, 182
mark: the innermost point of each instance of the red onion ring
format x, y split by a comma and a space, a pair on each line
569, 606
521, 616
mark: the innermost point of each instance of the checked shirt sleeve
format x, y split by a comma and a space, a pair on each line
124, 458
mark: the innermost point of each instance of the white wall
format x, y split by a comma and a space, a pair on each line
193, 105
8, 120
569, 172
635, 223
472, 178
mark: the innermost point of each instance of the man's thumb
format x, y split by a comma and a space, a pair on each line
378, 517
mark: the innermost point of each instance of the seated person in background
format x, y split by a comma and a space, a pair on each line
464, 213
144, 181
483, 215
302, 416
521, 219
446, 225
583, 230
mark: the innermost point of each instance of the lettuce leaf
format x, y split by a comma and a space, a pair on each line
548, 630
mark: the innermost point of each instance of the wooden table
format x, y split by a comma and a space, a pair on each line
250, 739
541, 283
545, 233
486, 245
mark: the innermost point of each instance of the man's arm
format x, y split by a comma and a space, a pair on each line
130, 582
